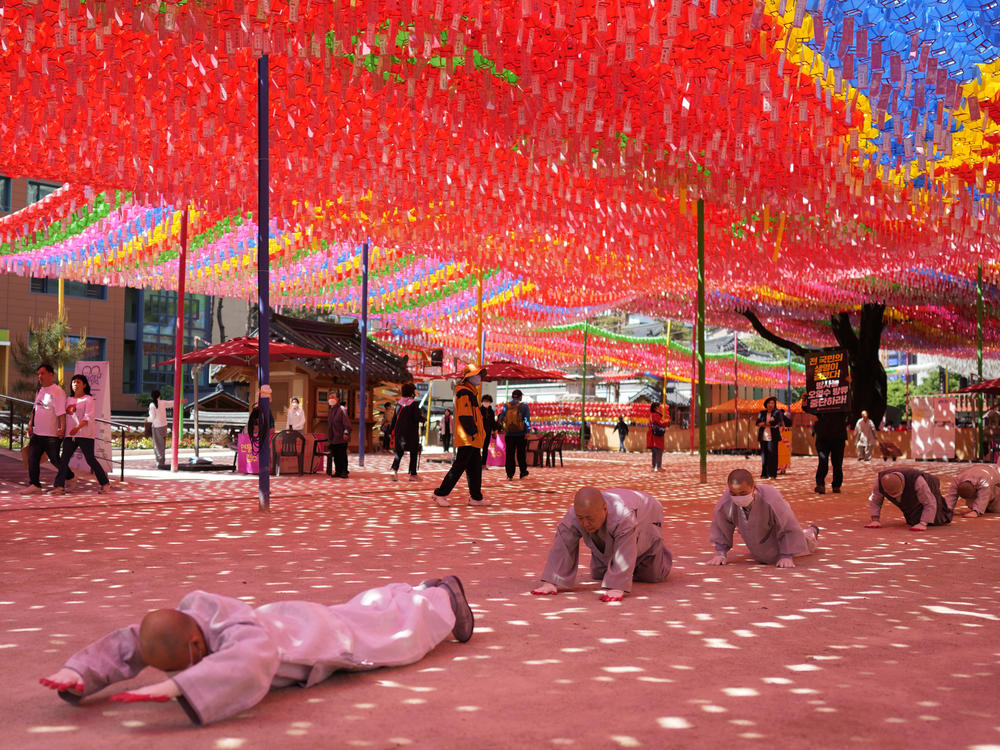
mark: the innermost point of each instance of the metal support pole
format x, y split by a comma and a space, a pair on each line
195, 371
666, 367
979, 360
694, 379
788, 390
62, 317
583, 392
702, 437
479, 319
430, 400
263, 285
175, 443
363, 395
736, 385
122, 475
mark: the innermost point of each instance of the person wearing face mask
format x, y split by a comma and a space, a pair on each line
916, 493
469, 437
765, 521
623, 529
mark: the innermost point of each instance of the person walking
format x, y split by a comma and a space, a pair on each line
864, 437
81, 413
489, 426
770, 420
405, 431
158, 419
46, 427
515, 422
468, 441
446, 430
654, 435
622, 429
338, 431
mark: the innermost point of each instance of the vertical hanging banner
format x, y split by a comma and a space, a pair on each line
828, 381
97, 376
933, 427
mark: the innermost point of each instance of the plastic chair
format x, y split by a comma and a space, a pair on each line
288, 443
533, 450
543, 448
320, 451
555, 447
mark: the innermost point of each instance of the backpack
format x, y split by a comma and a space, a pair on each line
513, 421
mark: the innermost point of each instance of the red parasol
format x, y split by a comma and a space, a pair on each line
504, 369
244, 352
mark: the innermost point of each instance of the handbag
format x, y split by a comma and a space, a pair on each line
148, 429
658, 430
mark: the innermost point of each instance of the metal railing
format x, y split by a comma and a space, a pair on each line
23, 428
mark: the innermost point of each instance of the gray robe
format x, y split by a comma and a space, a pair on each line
632, 541
987, 481
280, 644
771, 531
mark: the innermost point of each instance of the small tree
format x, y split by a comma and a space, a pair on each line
45, 343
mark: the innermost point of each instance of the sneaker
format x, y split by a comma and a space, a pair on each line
836, 490
523, 474
413, 478
428, 583
395, 475
101, 489
442, 501
32, 489
71, 484
465, 621
57, 491
483, 502
821, 489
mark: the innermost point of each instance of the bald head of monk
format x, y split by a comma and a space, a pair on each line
966, 490
591, 510
891, 484
740, 482
171, 640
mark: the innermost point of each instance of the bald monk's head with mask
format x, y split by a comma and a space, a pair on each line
171, 640
590, 508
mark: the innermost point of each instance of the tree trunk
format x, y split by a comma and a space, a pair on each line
868, 378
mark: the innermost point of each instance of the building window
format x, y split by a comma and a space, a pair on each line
5, 194
96, 351
38, 190
70, 288
157, 313
129, 369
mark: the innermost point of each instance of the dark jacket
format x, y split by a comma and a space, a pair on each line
621, 428
489, 420
778, 420
337, 424
830, 426
405, 426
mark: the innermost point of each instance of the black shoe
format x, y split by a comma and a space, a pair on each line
815, 528
464, 619
821, 489
836, 490
428, 583
523, 475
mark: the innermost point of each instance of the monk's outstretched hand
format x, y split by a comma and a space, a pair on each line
718, 560
546, 589
161, 692
64, 680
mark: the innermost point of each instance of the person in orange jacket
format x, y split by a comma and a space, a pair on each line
469, 437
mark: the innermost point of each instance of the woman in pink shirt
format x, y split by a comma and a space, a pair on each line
80, 433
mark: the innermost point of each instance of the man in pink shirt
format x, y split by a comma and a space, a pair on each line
46, 427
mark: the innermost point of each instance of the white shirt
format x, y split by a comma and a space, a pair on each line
83, 411
158, 414
296, 418
50, 404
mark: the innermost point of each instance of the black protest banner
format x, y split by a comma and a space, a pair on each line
828, 381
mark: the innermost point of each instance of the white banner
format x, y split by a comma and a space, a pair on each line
933, 427
97, 374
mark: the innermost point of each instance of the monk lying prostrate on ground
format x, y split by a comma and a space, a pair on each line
765, 520
225, 655
622, 528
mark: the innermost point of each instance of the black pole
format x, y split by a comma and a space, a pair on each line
363, 395
263, 286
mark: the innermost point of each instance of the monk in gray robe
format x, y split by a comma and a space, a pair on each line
765, 520
225, 655
915, 492
622, 528
979, 487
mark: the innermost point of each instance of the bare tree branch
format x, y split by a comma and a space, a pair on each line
772, 337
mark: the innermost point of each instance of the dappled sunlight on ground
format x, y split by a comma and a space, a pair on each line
883, 638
